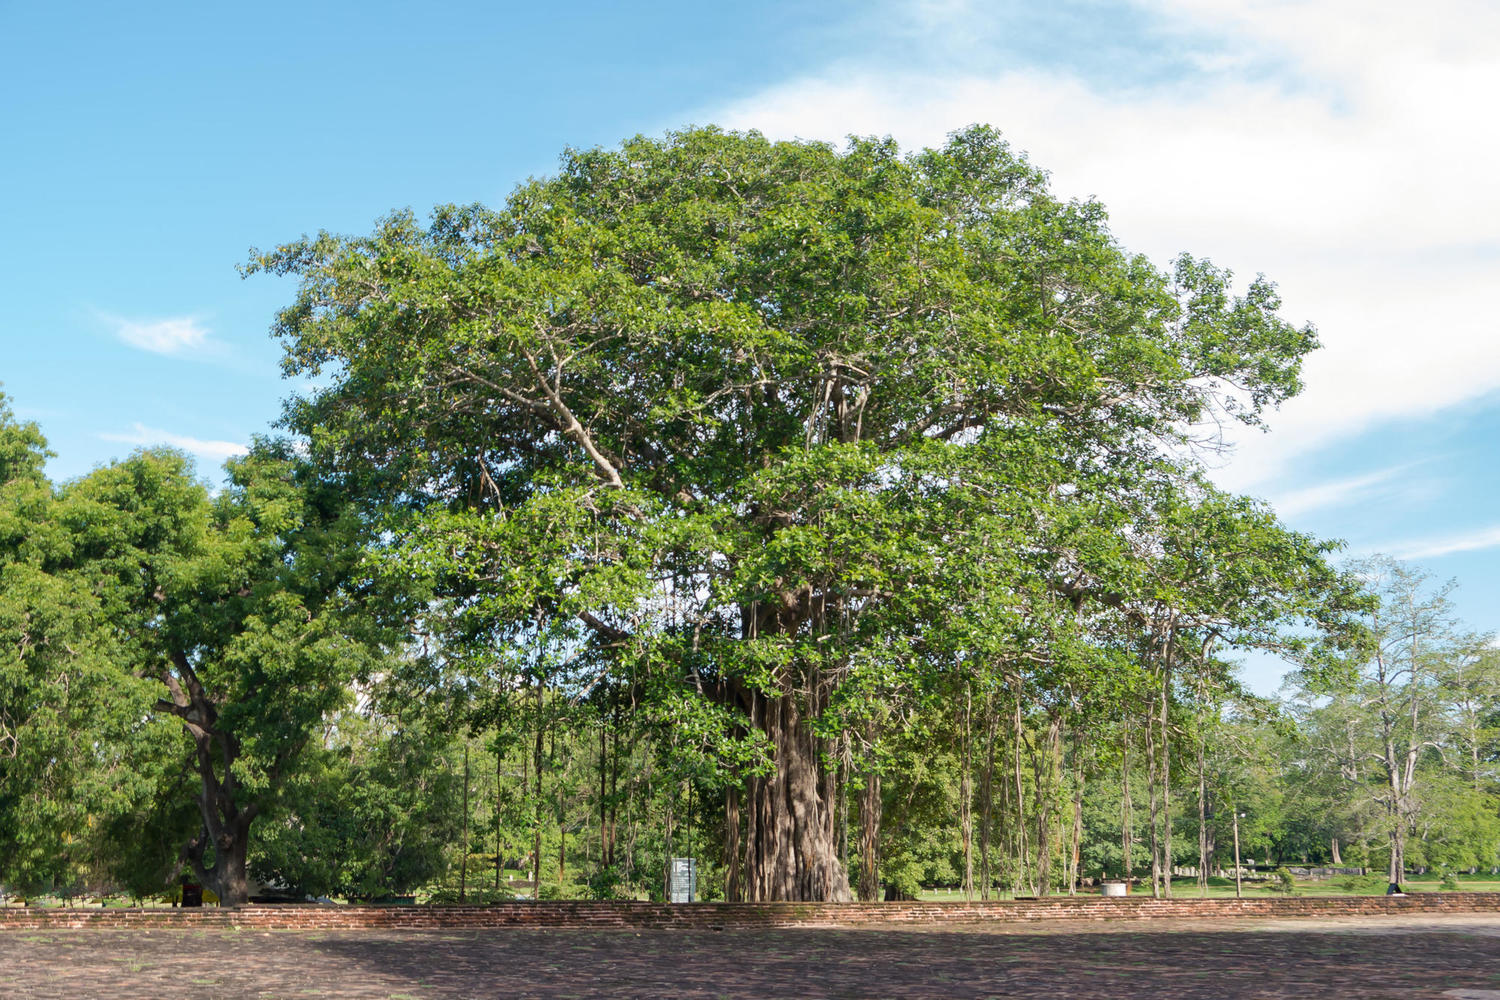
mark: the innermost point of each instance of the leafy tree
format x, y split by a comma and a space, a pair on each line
237, 610
1397, 700
712, 406
1471, 677
66, 725
371, 813
1454, 827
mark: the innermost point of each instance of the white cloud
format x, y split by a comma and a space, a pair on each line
1431, 548
1357, 175
217, 451
1333, 493
172, 336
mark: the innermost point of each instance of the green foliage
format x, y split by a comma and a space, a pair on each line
711, 373
70, 724
1360, 885
1396, 746
606, 883
371, 814
247, 642
718, 470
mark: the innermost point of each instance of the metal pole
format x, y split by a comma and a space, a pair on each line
1238, 893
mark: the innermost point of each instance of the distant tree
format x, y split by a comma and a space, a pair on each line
1396, 704
1471, 676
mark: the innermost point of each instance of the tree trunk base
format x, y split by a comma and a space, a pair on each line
790, 852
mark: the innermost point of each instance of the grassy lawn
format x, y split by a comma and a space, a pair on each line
1224, 888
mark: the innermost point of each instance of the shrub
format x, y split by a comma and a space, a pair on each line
1360, 885
476, 896
1282, 881
606, 883
906, 881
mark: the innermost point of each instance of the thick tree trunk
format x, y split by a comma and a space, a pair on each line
225, 832
790, 852
791, 849
226, 823
227, 878
226, 819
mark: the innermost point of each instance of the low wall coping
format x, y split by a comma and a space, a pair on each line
626, 915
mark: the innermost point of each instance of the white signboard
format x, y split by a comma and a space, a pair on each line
683, 880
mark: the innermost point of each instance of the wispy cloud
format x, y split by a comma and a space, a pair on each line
1333, 493
140, 434
174, 336
1431, 548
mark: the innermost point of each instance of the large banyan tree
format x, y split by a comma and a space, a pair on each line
739, 423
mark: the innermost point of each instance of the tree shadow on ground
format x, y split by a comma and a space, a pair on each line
829, 963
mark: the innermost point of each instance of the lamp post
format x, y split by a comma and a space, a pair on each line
1238, 892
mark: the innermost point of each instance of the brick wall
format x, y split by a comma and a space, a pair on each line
724, 916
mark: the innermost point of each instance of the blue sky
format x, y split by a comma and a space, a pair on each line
1343, 148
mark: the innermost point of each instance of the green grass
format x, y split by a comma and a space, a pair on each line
1187, 888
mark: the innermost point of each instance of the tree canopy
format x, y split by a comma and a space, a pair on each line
748, 419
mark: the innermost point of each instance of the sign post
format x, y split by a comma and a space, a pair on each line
684, 880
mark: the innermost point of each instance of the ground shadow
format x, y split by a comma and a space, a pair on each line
1236, 962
